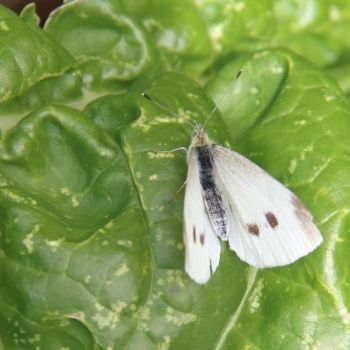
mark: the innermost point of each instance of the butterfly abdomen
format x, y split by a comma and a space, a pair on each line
212, 197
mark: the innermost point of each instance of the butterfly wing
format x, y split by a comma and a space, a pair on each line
269, 225
202, 247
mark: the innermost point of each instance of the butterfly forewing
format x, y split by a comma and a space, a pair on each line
269, 225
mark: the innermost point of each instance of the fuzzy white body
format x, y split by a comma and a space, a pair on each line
229, 197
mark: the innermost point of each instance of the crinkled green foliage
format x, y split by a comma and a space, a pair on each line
91, 252
109, 44
315, 28
28, 55
182, 36
29, 15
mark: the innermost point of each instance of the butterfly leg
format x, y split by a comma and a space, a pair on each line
174, 150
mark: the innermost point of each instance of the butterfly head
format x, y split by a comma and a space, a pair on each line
199, 137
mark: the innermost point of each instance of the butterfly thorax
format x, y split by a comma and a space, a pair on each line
202, 147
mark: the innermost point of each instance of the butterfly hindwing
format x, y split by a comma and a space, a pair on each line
202, 247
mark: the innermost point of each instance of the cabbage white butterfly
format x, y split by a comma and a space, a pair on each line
229, 197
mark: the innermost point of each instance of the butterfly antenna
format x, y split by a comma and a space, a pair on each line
158, 104
226, 93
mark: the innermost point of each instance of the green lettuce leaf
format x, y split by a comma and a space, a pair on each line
28, 55
316, 29
123, 38
65, 188
29, 15
181, 35
109, 44
91, 252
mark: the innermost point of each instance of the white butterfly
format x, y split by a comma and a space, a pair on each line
229, 197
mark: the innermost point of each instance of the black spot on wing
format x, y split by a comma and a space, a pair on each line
253, 229
194, 234
271, 219
202, 238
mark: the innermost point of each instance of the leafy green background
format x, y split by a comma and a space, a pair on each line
90, 219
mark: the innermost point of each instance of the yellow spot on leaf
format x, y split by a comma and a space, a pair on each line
178, 318
125, 243
29, 240
305, 151
122, 270
165, 344
65, 191
275, 70
105, 318
29, 243
177, 277
75, 201
292, 166
301, 122
254, 299
54, 244
157, 155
